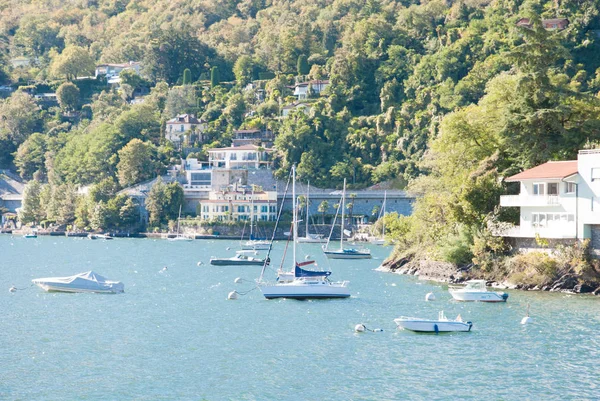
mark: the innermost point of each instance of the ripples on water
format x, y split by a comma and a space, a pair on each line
174, 336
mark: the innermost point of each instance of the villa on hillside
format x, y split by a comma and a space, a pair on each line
112, 71
286, 110
185, 128
260, 137
236, 157
558, 200
302, 89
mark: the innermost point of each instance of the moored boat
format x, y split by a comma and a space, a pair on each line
240, 259
476, 291
440, 325
82, 282
298, 283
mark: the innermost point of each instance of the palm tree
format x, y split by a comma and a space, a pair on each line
323, 207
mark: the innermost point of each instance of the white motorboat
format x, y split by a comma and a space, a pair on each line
299, 283
475, 290
240, 259
310, 238
344, 253
440, 325
104, 236
82, 282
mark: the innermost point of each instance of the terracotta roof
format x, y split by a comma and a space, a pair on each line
551, 170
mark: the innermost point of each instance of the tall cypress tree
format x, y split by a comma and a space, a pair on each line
302, 65
187, 76
215, 79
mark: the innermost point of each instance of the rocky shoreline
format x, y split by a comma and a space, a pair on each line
446, 272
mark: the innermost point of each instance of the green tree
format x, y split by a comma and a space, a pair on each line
99, 217
31, 209
68, 96
137, 162
302, 66
215, 78
187, 76
156, 202
129, 214
30, 156
73, 62
243, 70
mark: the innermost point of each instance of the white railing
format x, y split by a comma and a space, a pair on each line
560, 231
529, 200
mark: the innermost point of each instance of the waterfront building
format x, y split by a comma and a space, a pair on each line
185, 128
558, 200
239, 203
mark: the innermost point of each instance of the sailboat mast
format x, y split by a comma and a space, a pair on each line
343, 205
306, 217
295, 214
178, 219
251, 212
383, 215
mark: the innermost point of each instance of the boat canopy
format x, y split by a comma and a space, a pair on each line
310, 273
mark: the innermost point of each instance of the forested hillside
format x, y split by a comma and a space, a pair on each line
445, 95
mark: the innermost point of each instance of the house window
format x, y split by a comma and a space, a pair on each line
182, 128
570, 187
539, 189
264, 209
596, 174
233, 156
552, 188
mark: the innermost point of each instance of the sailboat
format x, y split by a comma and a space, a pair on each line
299, 283
344, 253
308, 237
252, 243
179, 236
380, 240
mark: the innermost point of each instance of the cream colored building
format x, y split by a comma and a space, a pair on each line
246, 157
240, 203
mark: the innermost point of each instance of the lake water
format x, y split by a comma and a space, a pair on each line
173, 335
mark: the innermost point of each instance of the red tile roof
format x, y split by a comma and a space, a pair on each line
550, 170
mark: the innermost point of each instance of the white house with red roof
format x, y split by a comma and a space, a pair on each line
558, 199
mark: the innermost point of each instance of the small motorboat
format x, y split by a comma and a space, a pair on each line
440, 325
92, 236
82, 282
240, 259
104, 236
475, 290
30, 235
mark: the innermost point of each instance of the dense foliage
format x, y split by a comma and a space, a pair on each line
447, 95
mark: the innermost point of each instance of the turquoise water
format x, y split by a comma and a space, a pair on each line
173, 335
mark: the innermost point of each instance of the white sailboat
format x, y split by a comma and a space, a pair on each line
179, 236
380, 240
254, 244
299, 283
308, 237
344, 253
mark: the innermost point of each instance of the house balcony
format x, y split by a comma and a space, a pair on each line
560, 231
528, 200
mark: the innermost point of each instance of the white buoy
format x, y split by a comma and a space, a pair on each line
199, 264
306, 257
232, 295
12, 289
430, 296
527, 319
238, 280
360, 328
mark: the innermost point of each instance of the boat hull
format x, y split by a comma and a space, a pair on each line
229, 262
432, 326
309, 240
258, 246
346, 255
478, 296
49, 287
306, 290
